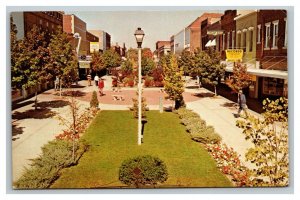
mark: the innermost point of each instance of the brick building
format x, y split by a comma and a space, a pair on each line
162, 48
48, 21
104, 39
228, 25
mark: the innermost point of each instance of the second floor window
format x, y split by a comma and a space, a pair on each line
275, 35
268, 35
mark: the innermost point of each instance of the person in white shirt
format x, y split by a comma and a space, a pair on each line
96, 79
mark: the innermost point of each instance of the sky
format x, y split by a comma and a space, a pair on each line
157, 24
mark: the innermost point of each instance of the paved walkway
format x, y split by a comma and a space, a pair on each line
30, 134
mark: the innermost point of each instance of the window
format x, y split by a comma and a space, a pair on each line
275, 35
233, 38
238, 41
47, 24
285, 34
258, 33
228, 39
250, 40
267, 35
244, 39
41, 22
223, 43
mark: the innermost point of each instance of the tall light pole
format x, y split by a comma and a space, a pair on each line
139, 36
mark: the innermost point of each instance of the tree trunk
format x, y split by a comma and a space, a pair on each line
35, 101
215, 90
73, 152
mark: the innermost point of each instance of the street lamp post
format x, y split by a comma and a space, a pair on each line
139, 36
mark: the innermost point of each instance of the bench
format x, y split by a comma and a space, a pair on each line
118, 98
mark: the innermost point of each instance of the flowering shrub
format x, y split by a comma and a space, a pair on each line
229, 163
148, 81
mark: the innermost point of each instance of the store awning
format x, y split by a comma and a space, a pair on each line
263, 72
208, 44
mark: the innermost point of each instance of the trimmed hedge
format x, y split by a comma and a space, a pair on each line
94, 103
197, 127
44, 170
142, 171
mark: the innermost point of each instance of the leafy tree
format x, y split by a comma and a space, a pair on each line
132, 54
127, 66
186, 61
240, 78
270, 138
94, 103
147, 53
148, 65
173, 82
97, 62
209, 67
16, 73
111, 59
64, 62
29, 66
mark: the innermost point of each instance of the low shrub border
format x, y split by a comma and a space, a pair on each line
197, 127
227, 159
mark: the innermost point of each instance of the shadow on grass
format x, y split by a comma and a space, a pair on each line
53, 104
41, 113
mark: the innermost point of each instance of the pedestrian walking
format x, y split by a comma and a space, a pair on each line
242, 103
56, 83
96, 79
101, 86
89, 78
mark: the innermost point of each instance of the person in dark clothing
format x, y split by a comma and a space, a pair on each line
242, 103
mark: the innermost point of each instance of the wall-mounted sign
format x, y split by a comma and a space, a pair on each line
94, 47
84, 64
234, 55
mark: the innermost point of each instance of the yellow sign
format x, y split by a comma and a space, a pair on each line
234, 55
94, 47
84, 64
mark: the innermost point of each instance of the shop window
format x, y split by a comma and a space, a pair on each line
267, 35
275, 35
273, 86
244, 39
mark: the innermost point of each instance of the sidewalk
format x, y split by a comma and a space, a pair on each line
218, 112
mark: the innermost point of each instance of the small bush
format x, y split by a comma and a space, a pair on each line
94, 103
148, 81
44, 170
142, 171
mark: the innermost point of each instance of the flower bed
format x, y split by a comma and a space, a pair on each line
229, 163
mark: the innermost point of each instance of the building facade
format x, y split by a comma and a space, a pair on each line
104, 39
48, 21
162, 48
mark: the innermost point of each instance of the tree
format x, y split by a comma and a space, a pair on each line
173, 82
186, 61
111, 59
127, 66
94, 103
240, 78
16, 73
97, 62
29, 67
132, 55
148, 65
64, 62
270, 138
211, 69
147, 53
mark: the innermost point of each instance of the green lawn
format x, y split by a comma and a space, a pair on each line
113, 138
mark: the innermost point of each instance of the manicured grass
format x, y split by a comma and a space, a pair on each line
113, 138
